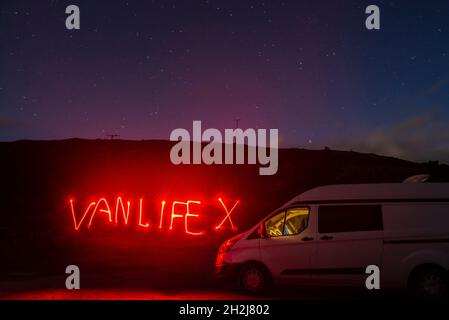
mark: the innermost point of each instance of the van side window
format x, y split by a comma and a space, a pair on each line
292, 222
349, 218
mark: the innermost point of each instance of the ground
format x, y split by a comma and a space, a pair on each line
51, 288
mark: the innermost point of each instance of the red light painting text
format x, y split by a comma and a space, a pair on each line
177, 215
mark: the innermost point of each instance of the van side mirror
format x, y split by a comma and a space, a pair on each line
261, 231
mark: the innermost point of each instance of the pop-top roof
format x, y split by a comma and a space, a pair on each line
375, 191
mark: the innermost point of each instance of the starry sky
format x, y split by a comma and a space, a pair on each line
309, 68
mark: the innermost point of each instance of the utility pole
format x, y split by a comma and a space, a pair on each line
112, 136
237, 120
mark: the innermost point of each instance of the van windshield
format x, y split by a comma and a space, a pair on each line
287, 223
274, 226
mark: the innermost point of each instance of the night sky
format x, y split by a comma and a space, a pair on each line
309, 68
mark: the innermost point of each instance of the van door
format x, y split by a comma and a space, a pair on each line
289, 244
350, 237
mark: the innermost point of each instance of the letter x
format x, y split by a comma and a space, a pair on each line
228, 214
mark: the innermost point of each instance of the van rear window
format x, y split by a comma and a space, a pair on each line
349, 218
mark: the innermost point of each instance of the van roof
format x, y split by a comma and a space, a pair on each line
375, 191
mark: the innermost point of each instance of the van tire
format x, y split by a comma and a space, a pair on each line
429, 283
255, 279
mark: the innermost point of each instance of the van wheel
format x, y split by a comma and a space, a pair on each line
255, 279
430, 283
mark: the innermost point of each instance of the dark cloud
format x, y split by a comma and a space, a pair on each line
6, 122
420, 138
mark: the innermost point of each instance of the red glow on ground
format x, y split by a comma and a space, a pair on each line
92, 294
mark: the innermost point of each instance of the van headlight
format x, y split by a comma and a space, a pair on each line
225, 248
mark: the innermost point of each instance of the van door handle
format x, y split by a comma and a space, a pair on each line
326, 238
307, 239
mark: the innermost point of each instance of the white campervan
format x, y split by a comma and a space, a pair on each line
330, 234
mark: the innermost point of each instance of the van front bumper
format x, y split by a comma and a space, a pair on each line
227, 271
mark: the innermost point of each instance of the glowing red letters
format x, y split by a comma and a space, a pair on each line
186, 215
228, 215
184, 211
